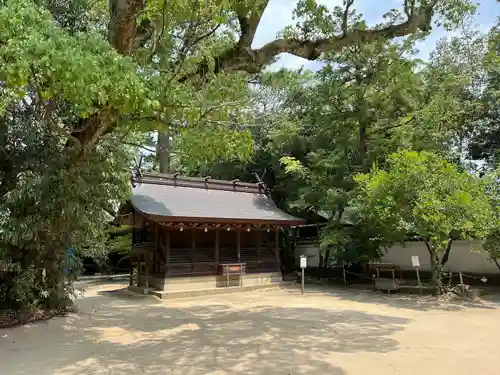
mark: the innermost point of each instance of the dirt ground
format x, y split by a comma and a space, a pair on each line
326, 331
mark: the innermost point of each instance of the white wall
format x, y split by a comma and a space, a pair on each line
464, 257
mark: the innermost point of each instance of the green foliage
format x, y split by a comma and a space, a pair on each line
48, 209
95, 78
492, 246
485, 142
314, 18
48, 204
451, 108
423, 194
120, 240
236, 145
62, 85
354, 113
492, 241
368, 101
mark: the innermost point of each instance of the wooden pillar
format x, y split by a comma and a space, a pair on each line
217, 232
277, 246
167, 250
258, 236
138, 265
238, 244
138, 269
146, 268
131, 281
156, 261
193, 249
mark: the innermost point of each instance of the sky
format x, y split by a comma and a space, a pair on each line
278, 14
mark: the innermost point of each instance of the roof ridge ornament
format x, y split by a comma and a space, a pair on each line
206, 178
135, 176
136, 171
261, 183
207, 182
235, 182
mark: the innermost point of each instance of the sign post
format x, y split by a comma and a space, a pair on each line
303, 265
344, 274
416, 264
462, 282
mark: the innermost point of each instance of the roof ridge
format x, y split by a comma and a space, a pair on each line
199, 182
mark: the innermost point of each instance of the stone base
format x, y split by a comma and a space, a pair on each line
138, 289
173, 284
212, 291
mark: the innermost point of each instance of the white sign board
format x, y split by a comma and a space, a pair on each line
303, 261
415, 261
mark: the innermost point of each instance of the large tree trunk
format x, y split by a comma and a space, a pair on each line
163, 151
435, 270
326, 263
363, 147
362, 115
446, 254
435, 263
438, 264
124, 33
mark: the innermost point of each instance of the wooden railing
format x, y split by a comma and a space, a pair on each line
201, 261
186, 269
210, 268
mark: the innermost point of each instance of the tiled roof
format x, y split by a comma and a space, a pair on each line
169, 197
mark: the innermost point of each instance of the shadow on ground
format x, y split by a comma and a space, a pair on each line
399, 300
119, 334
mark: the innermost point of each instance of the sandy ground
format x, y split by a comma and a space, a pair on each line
259, 333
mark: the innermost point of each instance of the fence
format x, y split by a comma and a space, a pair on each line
451, 281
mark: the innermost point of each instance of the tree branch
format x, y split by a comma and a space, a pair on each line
313, 49
249, 18
145, 31
253, 61
118, 140
409, 7
204, 36
94, 127
162, 31
345, 18
395, 126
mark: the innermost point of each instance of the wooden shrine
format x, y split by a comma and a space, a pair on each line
201, 233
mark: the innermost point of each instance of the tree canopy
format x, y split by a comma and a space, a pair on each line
421, 194
84, 84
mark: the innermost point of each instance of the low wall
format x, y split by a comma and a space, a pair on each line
210, 282
465, 256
